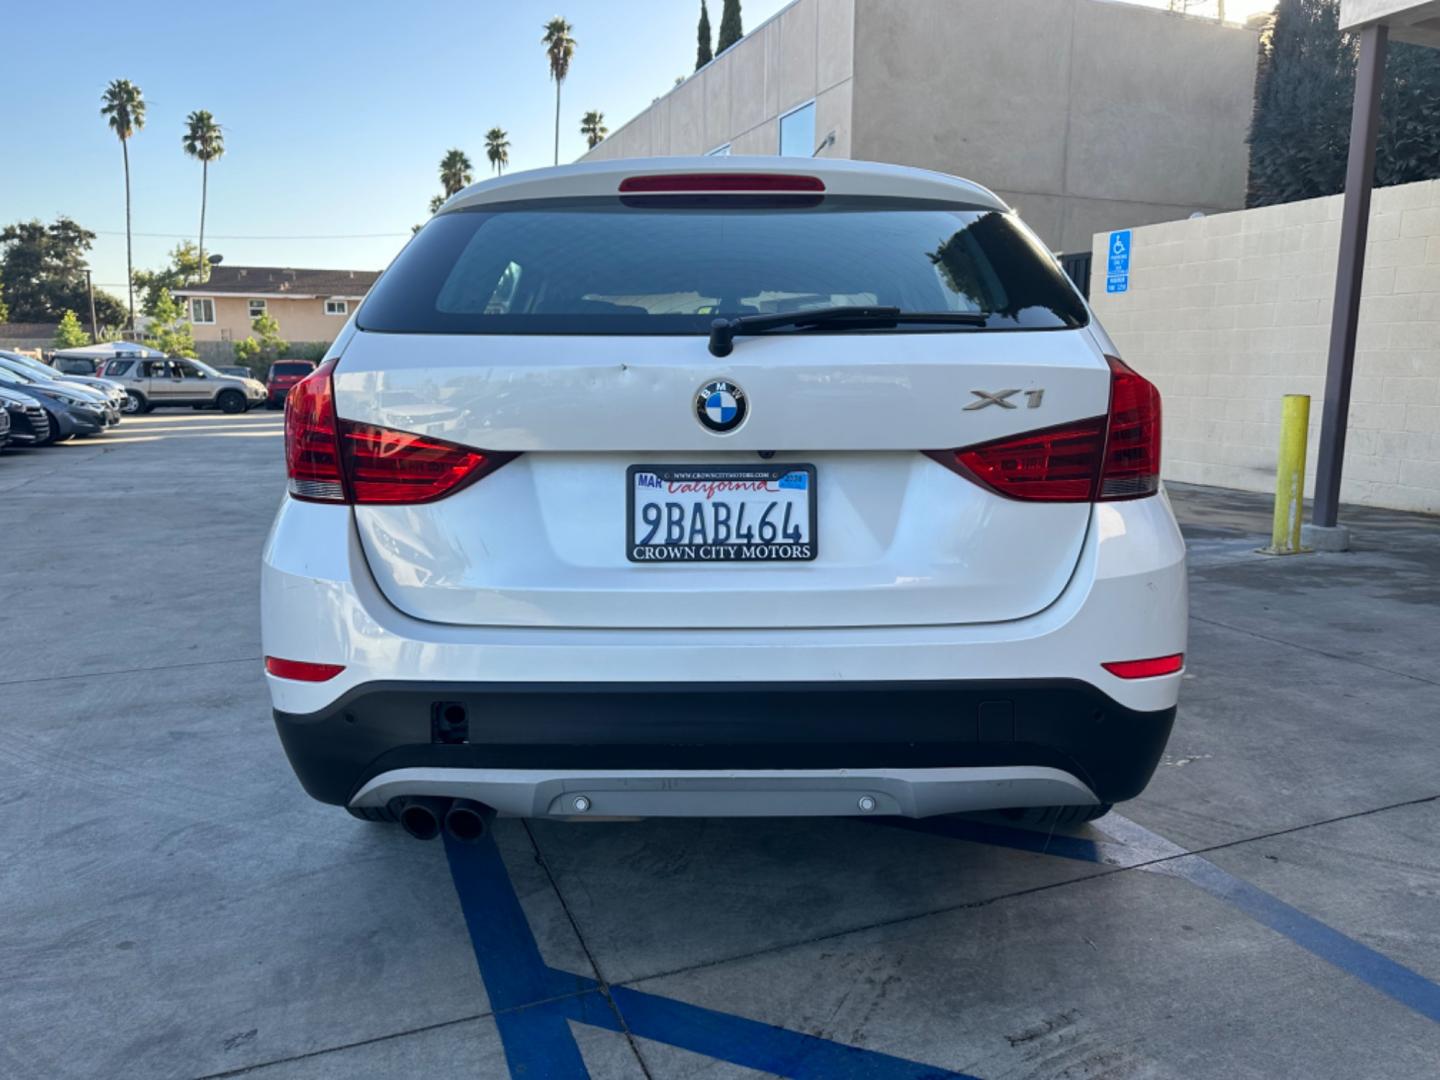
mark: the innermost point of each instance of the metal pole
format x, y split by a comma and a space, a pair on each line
1354, 227
94, 323
1290, 476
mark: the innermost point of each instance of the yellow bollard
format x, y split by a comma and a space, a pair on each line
1290, 476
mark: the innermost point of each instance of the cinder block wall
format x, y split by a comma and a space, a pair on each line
1230, 312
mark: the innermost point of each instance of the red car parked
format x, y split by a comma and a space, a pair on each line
283, 375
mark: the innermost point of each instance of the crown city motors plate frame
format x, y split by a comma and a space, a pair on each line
753, 536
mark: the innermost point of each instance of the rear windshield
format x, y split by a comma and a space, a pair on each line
291, 369
607, 266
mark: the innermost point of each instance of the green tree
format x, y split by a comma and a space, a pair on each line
170, 332
42, 272
703, 52
456, 172
124, 107
1300, 130
1409, 144
497, 149
592, 126
559, 45
268, 346
205, 142
4, 311
435, 203
70, 334
731, 30
184, 267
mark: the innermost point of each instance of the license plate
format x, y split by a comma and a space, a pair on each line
720, 513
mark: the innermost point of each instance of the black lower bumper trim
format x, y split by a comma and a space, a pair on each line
1063, 724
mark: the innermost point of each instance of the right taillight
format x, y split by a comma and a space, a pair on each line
1132, 446
342, 461
1101, 458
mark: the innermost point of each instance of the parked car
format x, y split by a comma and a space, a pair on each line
113, 391
29, 423
833, 498
68, 412
52, 381
4, 428
75, 365
282, 376
151, 384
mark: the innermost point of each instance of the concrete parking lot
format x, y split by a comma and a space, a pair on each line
174, 906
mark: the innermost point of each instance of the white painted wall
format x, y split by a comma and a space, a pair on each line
1230, 312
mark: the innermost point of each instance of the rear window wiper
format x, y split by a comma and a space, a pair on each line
724, 331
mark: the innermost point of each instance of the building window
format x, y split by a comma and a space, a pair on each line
202, 309
257, 308
797, 132
336, 307
719, 151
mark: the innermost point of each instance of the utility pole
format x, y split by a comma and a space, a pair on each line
94, 323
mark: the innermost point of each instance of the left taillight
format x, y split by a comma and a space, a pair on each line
341, 461
312, 444
1101, 458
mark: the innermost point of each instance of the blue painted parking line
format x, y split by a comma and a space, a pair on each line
1137, 846
532, 1003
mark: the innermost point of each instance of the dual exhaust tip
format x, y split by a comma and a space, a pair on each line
423, 816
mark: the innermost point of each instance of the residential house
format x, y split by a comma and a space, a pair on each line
309, 305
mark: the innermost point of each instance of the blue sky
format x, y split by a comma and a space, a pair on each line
335, 114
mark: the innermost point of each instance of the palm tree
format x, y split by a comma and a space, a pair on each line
560, 48
592, 126
455, 172
205, 142
124, 105
497, 149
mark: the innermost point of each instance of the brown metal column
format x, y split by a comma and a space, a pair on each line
1354, 227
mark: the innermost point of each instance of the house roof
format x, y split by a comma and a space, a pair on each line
288, 281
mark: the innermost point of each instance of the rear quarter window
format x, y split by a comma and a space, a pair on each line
597, 266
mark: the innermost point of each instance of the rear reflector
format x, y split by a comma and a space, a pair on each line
1101, 458
1146, 669
695, 182
301, 670
341, 461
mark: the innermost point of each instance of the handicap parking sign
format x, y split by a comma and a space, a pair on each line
1117, 273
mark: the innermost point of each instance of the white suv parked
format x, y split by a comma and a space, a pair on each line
723, 486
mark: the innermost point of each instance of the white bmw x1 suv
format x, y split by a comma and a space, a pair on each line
723, 487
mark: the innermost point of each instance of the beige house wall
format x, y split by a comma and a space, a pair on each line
1229, 313
803, 53
300, 319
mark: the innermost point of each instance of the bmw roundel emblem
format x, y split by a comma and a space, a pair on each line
720, 406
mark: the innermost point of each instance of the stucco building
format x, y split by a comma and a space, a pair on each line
309, 305
1085, 114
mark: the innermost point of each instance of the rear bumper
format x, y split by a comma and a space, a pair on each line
765, 713
916, 748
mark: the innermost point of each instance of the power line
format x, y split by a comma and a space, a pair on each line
189, 235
